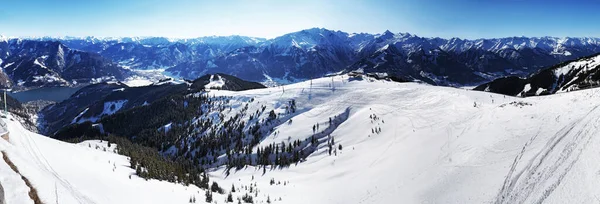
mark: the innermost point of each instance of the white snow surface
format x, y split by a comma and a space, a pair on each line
109, 108
135, 82
112, 107
586, 64
81, 173
215, 82
434, 147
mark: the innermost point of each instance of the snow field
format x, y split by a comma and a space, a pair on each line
436, 145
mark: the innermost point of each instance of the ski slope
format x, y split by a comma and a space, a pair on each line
215, 82
89, 172
436, 145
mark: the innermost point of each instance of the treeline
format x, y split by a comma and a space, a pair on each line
149, 163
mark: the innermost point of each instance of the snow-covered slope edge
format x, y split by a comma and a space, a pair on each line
89, 172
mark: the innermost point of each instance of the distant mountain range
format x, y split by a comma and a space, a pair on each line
317, 52
33, 63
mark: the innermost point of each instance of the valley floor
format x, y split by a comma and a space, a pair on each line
401, 143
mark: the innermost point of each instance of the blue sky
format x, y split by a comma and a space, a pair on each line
271, 18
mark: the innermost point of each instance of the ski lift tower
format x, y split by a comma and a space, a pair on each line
5, 115
3, 127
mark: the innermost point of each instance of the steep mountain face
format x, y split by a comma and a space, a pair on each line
96, 101
568, 76
28, 63
316, 52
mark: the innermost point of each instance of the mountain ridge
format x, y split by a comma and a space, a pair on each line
316, 52
70, 37
30, 63
573, 75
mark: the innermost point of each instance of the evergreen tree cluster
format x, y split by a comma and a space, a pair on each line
149, 164
247, 198
203, 133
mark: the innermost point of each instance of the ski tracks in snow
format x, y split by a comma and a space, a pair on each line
41, 161
545, 171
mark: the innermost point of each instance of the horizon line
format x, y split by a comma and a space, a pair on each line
173, 39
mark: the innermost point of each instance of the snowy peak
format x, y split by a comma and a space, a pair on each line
234, 39
517, 43
386, 35
306, 38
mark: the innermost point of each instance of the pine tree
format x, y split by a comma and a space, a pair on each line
208, 196
205, 181
232, 189
247, 198
215, 188
230, 198
272, 115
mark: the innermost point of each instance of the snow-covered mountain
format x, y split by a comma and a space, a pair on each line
32, 63
316, 52
361, 141
157, 52
568, 76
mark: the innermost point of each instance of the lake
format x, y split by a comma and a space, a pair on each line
56, 94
